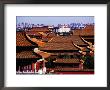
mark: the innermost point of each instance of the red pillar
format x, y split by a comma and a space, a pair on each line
32, 67
37, 66
43, 63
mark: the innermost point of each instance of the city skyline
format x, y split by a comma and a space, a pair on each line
54, 20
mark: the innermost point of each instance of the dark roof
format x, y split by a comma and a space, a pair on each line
88, 70
67, 69
58, 46
21, 40
73, 69
87, 31
50, 35
33, 33
67, 39
92, 38
40, 29
63, 43
26, 54
67, 53
61, 39
77, 40
67, 61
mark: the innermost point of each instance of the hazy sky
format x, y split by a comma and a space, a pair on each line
54, 20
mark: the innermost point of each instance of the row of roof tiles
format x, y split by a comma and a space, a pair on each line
88, 30
67, 61
26, 54
58, 46
72, 69
21, 40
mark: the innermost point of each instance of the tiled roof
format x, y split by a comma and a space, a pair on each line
63, 43
88, 70
77, 32
44, 54
67, 61
33, 33
26, 54
67, 69
67, 53
61, 39
88, 30
77, 40
68, 39
88, 38
58, 46
73, 69
41, 29
51, 35
21, 40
